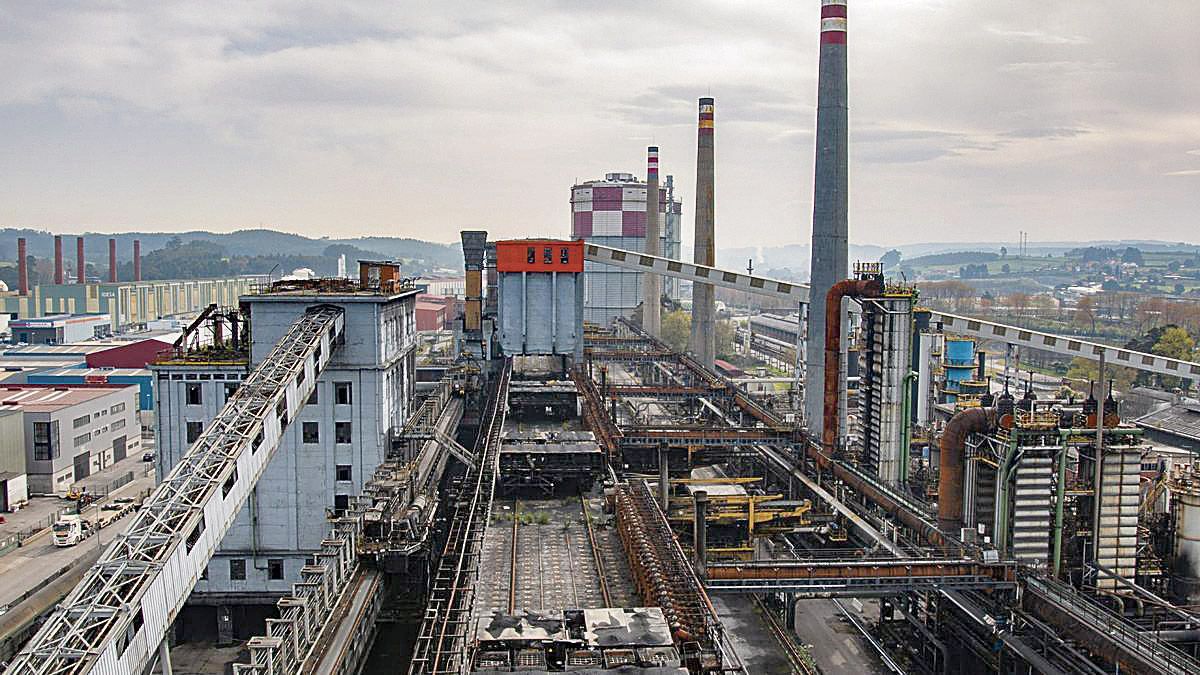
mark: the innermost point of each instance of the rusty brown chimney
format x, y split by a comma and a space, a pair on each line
137, 260
22, 267
80, 265
58, 264
112, 260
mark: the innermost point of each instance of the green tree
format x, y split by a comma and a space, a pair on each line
1175, 343
1083, 371
676, 328
726, 335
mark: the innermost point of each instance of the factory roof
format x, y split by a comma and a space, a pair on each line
96, 372
53, 397
57, 320
1181, 419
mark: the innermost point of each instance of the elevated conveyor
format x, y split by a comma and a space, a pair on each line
954, 323
116, 617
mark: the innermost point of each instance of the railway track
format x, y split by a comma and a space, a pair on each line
795, 655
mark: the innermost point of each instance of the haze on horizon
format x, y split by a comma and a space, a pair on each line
970, 120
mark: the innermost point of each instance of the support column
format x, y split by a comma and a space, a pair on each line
1099, 463
700, 533
164, 657
664, 477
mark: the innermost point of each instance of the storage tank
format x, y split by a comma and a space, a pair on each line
1186, 564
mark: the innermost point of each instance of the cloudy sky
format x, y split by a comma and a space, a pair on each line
970, 119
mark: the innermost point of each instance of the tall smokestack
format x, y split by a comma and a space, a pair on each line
652, 283
703, 342
80, 265
831, 178
22, 267
112, 260
137, 260
58, 264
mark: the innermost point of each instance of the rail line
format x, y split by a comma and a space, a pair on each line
784, 638
441, 640
587, 521
512, 581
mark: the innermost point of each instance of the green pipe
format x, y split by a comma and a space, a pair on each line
1117, 431
905, 432
1011, 461
1060, 500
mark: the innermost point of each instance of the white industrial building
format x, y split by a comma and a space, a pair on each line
73, 431
327, 452
612, 212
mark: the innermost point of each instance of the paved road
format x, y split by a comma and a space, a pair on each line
39, 559
836, 646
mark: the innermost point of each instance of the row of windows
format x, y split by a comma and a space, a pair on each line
343, 432
237, 569
343, 394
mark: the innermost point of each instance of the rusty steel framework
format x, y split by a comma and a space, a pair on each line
442, 644
868, 578
120, 611
665, 578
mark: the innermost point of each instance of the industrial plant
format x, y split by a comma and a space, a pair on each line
541, 482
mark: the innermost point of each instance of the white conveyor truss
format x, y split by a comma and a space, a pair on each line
114, 620
951, 323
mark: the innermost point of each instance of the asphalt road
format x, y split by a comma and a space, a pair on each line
39, 559
835, 644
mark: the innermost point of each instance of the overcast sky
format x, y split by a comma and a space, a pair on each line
969, 119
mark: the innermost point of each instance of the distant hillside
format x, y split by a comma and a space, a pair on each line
200, 253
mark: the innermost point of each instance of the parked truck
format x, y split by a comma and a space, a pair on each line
71, 529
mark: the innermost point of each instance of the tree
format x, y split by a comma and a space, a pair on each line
1175, 343
1179, 289
1133, 255
676, 328
1003, 251
1085, 312
890, 259
1083, 371
1006, 268
726, 336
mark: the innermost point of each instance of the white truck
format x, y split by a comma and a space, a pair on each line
70, 530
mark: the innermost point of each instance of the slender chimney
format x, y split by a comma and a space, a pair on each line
703, 339
58, 264
112, 260
137, 260
831, 178
22, 267
652, 283
80, 265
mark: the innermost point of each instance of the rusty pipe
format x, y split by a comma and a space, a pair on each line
950, 463
847, 288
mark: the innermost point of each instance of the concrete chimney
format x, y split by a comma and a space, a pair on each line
58, 263
703, 338
22, 267
137, 260
112, 260
80, 264
652, 283
829, 224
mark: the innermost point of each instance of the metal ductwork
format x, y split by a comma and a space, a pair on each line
847, 288
950, 463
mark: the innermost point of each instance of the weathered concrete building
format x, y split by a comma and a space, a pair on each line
326, 454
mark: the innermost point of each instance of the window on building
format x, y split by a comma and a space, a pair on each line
342, 432
312, 432
194, 429
237, 569
548, 256
340, 504
230, 389
193, 394
344, 472
81, 439
565, 255
343, 393
531, 255
275, 569
313, 398
81, 421
117, 408
45, 440
194, 536
117, 424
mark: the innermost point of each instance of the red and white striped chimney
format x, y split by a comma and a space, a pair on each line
80, 264
137, 260
58, 263
22, 267
112, 260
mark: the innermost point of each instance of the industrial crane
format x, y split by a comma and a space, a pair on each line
117, 616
